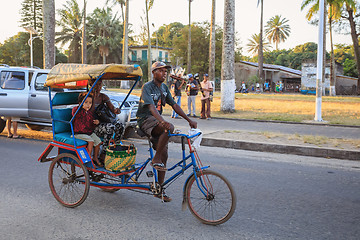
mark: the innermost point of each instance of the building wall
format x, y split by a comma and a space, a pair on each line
308, 75
245, 71
137, 54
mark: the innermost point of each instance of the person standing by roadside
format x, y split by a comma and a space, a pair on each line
205, 98
179, 82
14, 123
192, 92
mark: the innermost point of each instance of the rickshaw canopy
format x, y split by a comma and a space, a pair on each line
77, 75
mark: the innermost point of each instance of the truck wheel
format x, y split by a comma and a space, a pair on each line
34, 127
2, 124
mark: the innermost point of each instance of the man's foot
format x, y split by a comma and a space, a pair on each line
164, 197
194, 115
159, 166
98, 163
10, 136
203, 118
188, 115
209, 118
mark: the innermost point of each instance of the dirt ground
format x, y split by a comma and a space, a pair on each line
287, 139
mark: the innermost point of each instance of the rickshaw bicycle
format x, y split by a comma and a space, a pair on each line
209, 195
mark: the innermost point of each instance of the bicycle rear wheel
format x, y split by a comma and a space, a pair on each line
69, 180
217, 203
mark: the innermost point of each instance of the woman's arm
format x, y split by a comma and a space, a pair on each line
109, 104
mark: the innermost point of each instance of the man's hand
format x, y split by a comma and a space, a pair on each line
117, 111
96, 122
192, 124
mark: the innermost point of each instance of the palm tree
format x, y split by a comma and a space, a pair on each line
105, 35
228, 59
189, 41
148, 6
84, 43
212, 44
277, 30
49, 33
71, 29
254, 44
261, 55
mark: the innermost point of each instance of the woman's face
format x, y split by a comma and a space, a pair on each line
98, 86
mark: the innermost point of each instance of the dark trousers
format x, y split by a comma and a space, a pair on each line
205, 108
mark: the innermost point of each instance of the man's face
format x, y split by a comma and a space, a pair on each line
206, 78
160, 74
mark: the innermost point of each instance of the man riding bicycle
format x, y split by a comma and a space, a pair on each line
154, 95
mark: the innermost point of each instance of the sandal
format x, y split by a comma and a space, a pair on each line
164, 197
10, 136
17, 137
158, 166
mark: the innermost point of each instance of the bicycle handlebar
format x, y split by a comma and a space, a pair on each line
184, 135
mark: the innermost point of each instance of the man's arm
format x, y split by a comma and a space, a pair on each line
179, 111
156, 114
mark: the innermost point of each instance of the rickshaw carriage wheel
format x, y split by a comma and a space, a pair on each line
69, 180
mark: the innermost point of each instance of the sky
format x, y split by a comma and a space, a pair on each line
247, 17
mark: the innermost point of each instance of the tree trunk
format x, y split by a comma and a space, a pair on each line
83, 49
332, 62
125, 53
149, 41
189, 42
261, 55
212, 44
355, 40
49, 33
228, 59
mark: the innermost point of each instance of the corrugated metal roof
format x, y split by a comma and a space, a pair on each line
275, 67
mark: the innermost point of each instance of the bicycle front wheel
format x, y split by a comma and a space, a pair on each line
69, 180
213, 201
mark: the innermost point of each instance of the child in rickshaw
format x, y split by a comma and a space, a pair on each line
84, 124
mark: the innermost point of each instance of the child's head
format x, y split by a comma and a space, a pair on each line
88, 102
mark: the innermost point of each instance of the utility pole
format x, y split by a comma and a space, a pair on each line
320, 62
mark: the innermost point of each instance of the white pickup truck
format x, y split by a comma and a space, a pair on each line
23, 95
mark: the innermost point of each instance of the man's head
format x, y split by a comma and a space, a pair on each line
190, 76
206, 77
159, 70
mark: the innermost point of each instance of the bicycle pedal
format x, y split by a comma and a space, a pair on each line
149, 174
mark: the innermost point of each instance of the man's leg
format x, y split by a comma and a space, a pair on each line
202, 112
193, 98
15, 127
189, 105
207, 101
8, 126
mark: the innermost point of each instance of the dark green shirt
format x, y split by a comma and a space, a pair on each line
151, 94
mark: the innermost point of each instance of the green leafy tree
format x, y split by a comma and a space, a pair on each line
16, 52
199, 55
31, 14
71, 28
277, 30
166, 34
105, 33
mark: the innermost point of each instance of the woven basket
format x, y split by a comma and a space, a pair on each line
120, 157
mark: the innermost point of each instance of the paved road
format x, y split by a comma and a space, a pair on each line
279, 197
213, 125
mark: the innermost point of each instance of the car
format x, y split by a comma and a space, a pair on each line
23, 95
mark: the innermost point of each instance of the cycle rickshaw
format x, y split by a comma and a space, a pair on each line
209, 196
